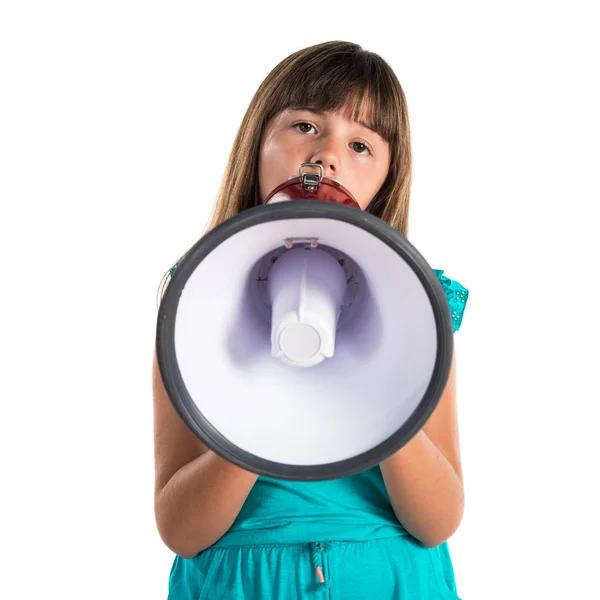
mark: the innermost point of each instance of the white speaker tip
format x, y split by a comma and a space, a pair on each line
299, 345
306, 288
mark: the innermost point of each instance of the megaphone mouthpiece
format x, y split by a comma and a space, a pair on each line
312, 186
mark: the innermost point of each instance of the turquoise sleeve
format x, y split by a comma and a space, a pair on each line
456, 295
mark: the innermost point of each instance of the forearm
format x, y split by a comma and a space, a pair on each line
426, 492
200, 503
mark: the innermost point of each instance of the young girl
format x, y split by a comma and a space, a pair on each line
379, 534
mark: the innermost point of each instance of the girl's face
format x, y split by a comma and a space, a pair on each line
347, 149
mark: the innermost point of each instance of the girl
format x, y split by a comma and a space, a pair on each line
378, 534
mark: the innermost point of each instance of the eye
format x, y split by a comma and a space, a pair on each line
301, 127
360, 148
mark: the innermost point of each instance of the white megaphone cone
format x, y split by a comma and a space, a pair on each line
304, 339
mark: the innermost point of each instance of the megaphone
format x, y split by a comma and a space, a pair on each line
304, 339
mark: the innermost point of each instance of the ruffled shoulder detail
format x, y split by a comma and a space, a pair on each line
456, 295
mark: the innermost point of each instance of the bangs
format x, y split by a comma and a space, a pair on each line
358, 83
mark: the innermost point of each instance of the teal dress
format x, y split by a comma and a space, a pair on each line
336, 539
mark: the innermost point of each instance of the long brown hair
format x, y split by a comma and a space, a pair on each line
326, 77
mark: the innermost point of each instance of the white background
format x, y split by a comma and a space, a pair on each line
116, 119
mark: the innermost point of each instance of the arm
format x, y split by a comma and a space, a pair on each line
424, 478
197, 494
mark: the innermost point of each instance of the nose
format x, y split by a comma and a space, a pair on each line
328, 154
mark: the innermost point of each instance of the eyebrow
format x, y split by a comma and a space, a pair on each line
322, 113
